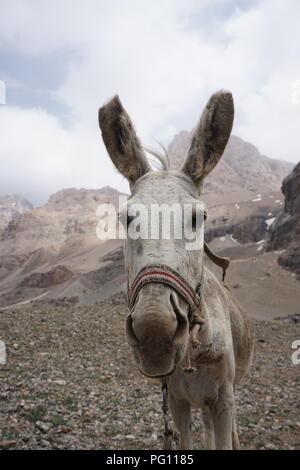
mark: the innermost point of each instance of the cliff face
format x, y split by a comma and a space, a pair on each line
284, 233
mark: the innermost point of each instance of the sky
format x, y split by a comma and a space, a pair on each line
60, 60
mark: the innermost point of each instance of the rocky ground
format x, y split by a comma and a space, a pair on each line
70, 383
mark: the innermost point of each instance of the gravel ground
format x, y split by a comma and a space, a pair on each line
70, 383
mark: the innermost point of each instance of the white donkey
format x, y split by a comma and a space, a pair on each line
169, 287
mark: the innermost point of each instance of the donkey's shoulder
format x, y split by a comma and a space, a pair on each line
213, 288
217, 295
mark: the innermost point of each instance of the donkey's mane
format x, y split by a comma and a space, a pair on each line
162, 157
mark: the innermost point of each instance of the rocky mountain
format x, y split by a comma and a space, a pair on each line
284, 233
242, 193
68, 213
241, 168
52, 253
10, 207
47, 247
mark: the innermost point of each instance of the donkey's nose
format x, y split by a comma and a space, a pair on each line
157, 329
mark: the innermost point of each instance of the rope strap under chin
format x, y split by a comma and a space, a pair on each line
171, 437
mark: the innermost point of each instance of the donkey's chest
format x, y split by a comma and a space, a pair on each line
199, 387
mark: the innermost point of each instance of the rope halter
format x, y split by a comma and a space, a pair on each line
162, 274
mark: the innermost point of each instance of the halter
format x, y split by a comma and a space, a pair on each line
162, 274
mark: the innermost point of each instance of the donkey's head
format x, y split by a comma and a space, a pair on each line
157, 326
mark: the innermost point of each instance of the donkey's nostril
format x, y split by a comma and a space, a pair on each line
130, 332
182, 320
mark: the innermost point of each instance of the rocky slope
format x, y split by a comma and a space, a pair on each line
57, 275
42, 251
242, 192
70, 382
284, 233
44, 233
68, 213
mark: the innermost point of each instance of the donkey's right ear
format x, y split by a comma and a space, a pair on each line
121, 141
211, 136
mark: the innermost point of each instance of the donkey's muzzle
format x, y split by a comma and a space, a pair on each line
157, 329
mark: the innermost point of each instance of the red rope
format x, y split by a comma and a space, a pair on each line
164, 274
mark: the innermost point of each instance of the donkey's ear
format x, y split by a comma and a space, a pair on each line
211, 137
121, 141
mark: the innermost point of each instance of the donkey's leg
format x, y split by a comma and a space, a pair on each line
209, 430
181, 414
235, 436
222, 412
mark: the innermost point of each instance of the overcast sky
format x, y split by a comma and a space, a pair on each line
61, 59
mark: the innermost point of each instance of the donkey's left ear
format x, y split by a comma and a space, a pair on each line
121, 141
211, 137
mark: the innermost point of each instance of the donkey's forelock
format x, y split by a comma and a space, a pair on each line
163, 158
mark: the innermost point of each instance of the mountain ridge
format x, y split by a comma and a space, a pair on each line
241, 167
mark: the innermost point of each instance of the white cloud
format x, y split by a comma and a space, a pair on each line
164, 59
40, 157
